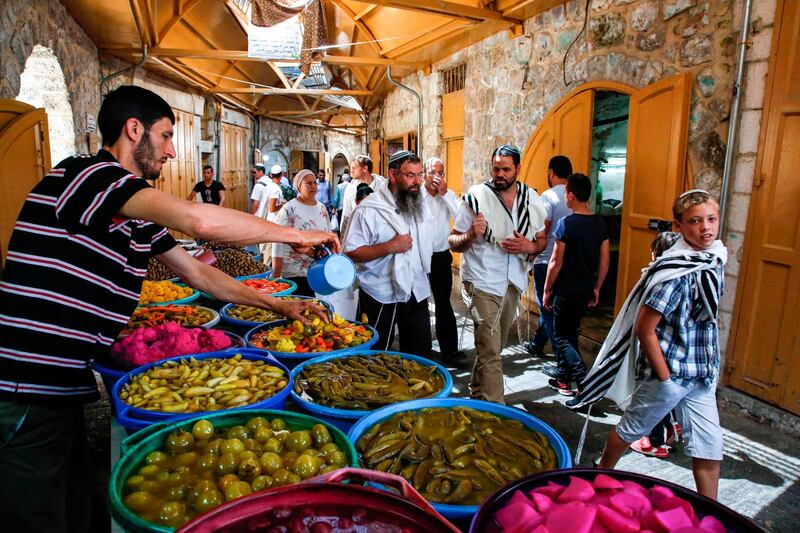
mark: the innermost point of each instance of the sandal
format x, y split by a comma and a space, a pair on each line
644, 447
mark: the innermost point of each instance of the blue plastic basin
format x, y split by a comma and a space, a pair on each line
246, 325
291, 359
345, 418
464, 512
286, 292
133, 418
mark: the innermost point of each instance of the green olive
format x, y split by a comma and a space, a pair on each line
134, 481
273, 445
293, 478
306, 466
249, 469
237, 489
179, 441
328, 448
206, 462
257, 422
155, 458
162, 476
176, 478
199, 488
178, 492
261, 482
227, 464
326, 469
208, 500
203, 429
320, 434
298, 441
247, 454
237, 432
234, 446
249, 444
336, 459
150, 485
149, 471
187, 458
140, 501
280, 477
278, 424
270, 462
262, 434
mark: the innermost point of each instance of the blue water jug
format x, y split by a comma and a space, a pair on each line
331, 273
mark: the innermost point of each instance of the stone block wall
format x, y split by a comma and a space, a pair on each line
288, 136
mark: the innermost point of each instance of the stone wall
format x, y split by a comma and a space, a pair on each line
286, 136
26, 23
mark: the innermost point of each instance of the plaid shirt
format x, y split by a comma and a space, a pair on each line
689, 341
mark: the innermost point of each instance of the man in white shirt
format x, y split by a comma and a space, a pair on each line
361, 172
387, 241
555, 204
498, 229
260, 182
442, 203
269, 204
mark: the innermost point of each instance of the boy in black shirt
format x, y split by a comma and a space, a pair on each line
211, 191
576, 271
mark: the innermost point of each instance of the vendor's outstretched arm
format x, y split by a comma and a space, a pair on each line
226, 289
214, 223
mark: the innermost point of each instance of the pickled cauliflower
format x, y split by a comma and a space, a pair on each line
146, 345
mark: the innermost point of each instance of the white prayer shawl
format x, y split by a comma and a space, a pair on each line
402, 267
531, 214
614, 371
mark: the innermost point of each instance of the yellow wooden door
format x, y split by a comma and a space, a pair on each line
533, 167
375, 155
765, 338
572, 132
233, 166
453, 133
657, 132
296, 164
178, 176
24, 160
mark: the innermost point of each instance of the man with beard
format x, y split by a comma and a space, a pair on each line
388, 238
73, 275
499, 228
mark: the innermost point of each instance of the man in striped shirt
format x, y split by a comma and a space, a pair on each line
72, 278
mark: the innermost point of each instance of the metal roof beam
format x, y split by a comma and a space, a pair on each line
276, 90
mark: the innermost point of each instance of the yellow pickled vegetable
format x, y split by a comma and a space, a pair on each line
163, 291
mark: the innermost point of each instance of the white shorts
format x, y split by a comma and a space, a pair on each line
696, 410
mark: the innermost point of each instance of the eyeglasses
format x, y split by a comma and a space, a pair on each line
435, 173
412, 175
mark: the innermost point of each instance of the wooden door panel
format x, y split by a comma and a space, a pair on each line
178, 175
533, 167
573, 131
454, 175
233, 166
657, 136
453, 115
24, 160
764, 351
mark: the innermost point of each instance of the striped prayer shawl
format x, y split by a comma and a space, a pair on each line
613, 372
484, 198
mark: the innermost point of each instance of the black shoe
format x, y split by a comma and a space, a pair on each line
533, 349
574, 402
454, 357
562, 387
551, 371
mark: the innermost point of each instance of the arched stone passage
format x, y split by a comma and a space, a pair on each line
339, 164
42, 85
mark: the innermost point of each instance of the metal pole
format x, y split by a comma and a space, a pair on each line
734, 118
419, 108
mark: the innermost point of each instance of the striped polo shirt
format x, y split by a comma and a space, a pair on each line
71, 280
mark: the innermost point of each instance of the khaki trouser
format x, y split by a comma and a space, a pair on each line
492, 316
266, 253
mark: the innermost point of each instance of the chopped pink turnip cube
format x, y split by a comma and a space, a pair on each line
712, 524
519, 497
578, 490
606, 482
575, 517
551, 489
632, 486
517, 517
614, 521
671, 503
658, 493
630, 503
541, 502
673, 519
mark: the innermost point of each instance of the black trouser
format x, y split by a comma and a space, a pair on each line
303, 288
441, 278
412, 318
568, 310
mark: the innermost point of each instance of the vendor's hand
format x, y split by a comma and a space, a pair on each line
400, 244
547, 300
311, 238
517, 244
293, 310
478, 227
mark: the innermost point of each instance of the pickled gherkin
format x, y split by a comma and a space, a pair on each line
455, 455
365, 382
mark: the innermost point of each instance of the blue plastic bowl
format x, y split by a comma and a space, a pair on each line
254, 276
464, 512
291, 359
133, 418
345, 418
287, 292
247, 325
194, 296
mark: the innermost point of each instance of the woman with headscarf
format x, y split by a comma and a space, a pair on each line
303, 212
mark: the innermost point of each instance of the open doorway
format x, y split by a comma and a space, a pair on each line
339, 165
607, 172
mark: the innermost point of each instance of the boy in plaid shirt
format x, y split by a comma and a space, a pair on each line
680, 342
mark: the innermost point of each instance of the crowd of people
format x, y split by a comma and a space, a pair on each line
84, 236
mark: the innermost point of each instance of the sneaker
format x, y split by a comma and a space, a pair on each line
562, 387
533, 349
644, 447
551, 371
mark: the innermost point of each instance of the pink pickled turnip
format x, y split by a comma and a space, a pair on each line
517, 517
658, 493
519, 497
632, 486
540, 529
671, 503
578, 490
689, 530
673, 519
616, 522
543, 503
711, 524
598, 527
630, 503
551, 489
575, 517
605, 482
